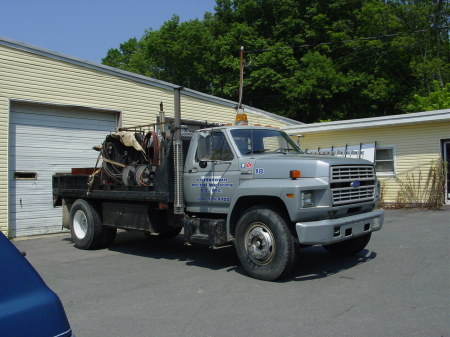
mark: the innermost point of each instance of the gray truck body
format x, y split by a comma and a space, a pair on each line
244, 185
220, 185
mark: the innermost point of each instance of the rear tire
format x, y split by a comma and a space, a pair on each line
349, 247
264, 244
86, 226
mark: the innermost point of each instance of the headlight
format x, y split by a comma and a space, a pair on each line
378, 190
307, 199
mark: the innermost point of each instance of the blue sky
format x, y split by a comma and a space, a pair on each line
88, 28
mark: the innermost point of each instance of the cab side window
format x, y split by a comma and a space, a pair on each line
213, 146
203, 147
220, 149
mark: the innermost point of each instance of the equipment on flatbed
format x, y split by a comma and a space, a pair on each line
250, 186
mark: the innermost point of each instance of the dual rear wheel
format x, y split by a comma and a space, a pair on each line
88, 232
86, 227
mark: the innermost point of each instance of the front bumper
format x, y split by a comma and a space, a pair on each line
328, 231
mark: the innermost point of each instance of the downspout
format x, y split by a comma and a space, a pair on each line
178, 155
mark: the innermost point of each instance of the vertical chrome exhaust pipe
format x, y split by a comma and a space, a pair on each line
162, 119
178, 155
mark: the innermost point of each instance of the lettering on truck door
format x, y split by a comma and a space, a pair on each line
212, 174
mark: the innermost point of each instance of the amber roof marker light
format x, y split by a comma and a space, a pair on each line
295, 174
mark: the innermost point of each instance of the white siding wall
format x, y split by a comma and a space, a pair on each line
46, 140
31, 77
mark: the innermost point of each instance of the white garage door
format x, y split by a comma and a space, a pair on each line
44, 140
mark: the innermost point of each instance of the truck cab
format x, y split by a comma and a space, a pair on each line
249, 186
227, 165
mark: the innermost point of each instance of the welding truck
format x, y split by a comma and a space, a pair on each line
250, 186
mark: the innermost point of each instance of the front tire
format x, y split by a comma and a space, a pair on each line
86, 227
264, 244
349, 247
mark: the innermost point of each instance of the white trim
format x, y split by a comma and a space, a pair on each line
64, 333
394, 160
443, 153
386, 174
417, 117
62, 105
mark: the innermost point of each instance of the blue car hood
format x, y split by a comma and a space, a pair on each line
28, 307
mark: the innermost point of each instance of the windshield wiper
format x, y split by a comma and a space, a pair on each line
255, 151
284, 151
281, 150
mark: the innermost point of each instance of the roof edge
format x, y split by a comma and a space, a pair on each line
247, 108
415, 117
11, 43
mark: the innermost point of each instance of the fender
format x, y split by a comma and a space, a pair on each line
279, 188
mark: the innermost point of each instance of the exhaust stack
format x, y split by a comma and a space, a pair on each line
178, 155
162, 118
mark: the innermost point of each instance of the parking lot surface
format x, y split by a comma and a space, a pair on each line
398, 286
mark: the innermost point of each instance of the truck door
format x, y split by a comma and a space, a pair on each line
211, 173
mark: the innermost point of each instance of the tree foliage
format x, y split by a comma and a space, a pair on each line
309, 60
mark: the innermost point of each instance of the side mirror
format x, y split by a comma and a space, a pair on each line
203, 164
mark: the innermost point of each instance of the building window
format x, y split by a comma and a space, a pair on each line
385, 160
25, 175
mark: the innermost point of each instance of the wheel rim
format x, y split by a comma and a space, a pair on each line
80, 224
259, 243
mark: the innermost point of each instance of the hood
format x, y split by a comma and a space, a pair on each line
278, 166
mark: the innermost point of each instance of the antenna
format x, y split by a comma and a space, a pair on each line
241, 117
241, 77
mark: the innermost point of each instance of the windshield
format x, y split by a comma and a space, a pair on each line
255, 141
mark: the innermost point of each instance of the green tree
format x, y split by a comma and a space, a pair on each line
437, 99
120, 58
309, 60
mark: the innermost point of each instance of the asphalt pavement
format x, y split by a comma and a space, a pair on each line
398, 286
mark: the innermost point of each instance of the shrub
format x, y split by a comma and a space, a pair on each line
419, 192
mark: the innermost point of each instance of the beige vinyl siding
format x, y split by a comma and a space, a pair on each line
193, 108
25, 76
416, 146
33, 77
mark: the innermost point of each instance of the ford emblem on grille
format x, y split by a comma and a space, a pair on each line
355, 184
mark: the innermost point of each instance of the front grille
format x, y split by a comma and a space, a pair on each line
352, 184
351, 173
342, 196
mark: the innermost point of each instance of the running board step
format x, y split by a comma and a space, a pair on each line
200, 238
210, 232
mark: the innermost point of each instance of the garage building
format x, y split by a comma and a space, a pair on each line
54, 108
405, 149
